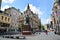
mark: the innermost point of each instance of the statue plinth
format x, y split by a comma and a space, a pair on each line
26, 30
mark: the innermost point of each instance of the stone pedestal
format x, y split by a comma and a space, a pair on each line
26, 30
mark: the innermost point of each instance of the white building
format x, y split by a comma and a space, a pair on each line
56, 15
34, 21
15, 14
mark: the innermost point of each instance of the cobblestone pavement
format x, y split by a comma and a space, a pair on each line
42, 36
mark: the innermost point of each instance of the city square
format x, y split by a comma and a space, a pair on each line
29, 20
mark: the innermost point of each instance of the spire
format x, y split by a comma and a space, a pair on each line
28, 7
0, 4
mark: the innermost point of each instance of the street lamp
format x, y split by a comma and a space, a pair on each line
0, 4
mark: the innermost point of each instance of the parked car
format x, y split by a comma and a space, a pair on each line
37, 32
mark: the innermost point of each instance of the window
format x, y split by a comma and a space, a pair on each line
59, 19
8, 19
2, 17
10, 15
5, 18
56, 12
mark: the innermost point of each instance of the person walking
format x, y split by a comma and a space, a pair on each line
46, 32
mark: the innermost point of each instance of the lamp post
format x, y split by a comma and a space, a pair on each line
0, 4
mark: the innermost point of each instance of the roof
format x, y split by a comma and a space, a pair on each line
1, 11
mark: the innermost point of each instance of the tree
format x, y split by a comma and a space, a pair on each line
47, 26
42, 27
21, 26
39, 26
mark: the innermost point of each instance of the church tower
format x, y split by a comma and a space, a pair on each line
28, 7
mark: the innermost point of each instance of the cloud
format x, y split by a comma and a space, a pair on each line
35, 10
5, 7
8, 1
48, 20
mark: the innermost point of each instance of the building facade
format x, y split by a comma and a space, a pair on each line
56, 14
31, 21
5, 21
14, 14
33, 18
21, 21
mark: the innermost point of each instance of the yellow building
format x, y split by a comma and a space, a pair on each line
5, 20
45, 27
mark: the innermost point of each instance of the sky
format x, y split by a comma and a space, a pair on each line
41, 7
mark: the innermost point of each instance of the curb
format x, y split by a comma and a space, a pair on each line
14, 37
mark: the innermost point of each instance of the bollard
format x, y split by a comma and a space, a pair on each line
11, 37
39, 33
24, 37
6, 36
17, 37
3, 36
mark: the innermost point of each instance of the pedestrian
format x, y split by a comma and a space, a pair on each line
46, 32
55, 32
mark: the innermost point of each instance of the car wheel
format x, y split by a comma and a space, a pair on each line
55, 32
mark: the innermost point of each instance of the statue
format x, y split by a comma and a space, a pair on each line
27, 19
